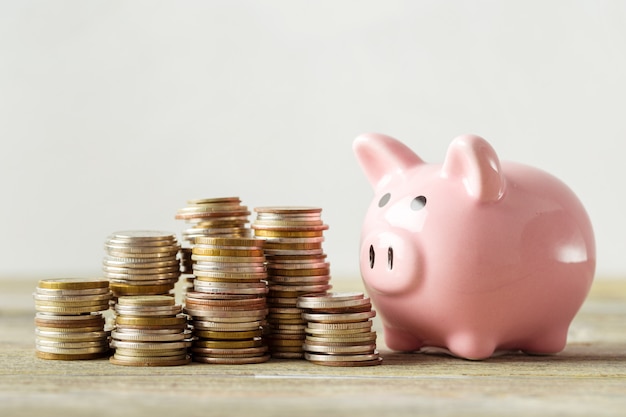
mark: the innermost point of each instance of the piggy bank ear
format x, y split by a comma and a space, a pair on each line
382, 156
472, 160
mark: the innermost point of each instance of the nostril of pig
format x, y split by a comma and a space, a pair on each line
390, 258
372, 256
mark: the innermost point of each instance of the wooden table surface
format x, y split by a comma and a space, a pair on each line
587, 378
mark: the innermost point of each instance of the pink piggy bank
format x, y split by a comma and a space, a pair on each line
472, 256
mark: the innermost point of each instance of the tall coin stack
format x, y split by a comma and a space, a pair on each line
222, 216
141, 262
69, 323
339, 330
296, 265
149, 331
228, 307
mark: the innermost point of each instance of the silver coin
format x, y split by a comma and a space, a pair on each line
142, 235
63, 292
147, 337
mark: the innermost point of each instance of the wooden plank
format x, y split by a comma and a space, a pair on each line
589, 377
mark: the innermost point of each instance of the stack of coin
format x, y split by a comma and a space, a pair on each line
228, 307
296, 265
149, 331
141, 262
339, 330
214, 216
69, 323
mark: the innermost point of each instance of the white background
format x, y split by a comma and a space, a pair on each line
113, 114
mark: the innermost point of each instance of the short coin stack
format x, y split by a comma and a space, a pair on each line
69, 323
141, 262
339, 330
228, 307
296, 265
149, 331
214, 216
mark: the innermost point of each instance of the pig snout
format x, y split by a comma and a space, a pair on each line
389, 262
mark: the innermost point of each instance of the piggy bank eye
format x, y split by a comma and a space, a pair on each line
384, 200
418, 203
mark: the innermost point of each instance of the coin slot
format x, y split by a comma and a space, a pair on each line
390, 258
372, 256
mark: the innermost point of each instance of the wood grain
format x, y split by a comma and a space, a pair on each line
588, 378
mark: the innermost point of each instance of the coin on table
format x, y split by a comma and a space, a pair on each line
143, 361
71, 356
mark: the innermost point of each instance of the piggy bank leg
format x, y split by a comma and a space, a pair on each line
549, 343
471, 346
401, 341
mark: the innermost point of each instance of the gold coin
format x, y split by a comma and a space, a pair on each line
228, 344
227, 335
339, 318
303, 280
161, 353
216, 200
255, 351
225, 327
287, 233
141, 358
53, 320
236, 253
289, 226
346, 338
127, 289
349, 363
230, 241
286, 342
232, 361
146, 300
124, 271
297, 290
73, 283
70, 356
149, 345
69, 330
150, 321
287, 355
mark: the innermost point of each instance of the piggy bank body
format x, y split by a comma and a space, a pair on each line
471, 255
